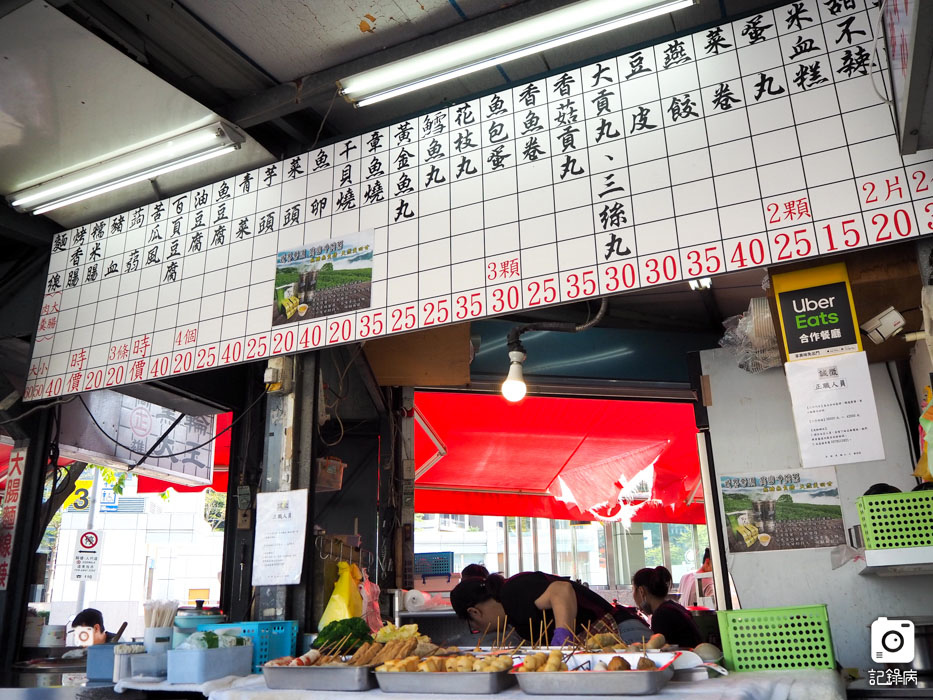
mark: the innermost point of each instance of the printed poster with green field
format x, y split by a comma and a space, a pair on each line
771, 511
326, 278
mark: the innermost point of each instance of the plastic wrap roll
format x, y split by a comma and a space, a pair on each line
417, 600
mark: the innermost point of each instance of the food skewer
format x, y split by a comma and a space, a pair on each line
480, 642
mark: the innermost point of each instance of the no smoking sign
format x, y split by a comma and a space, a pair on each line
87, 557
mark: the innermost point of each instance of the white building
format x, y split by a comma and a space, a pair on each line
150, 549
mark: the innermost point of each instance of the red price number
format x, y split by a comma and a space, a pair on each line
160, 366
890, 225
257, 346
791, 244
468, 305
702, 260
840, 234
311, 336
371, 323
205, 357
283, 341
658, 269
435, 311
541, 291
403, 318
747, 252
232, 352
54, 386
580, 283
618, 277
182, 362
340, 330
93, 379
508, 297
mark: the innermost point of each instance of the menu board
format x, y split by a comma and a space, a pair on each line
759, 141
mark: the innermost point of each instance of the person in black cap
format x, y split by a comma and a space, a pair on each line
93, 618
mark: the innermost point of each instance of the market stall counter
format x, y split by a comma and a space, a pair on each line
758, 685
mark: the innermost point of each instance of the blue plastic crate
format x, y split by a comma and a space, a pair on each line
271, 639
434, 563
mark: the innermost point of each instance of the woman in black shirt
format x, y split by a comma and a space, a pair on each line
531, 597
650, 588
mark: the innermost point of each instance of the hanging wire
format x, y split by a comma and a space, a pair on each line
173, 454
39, 408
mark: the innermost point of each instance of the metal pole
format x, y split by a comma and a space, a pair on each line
714, 526
91, 508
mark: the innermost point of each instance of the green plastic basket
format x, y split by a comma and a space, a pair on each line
776, 638
892, 520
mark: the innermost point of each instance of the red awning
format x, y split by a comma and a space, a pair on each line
575, 459
5, 451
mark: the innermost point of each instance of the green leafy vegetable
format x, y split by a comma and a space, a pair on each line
356, 627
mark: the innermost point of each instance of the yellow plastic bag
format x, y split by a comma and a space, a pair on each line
345, 601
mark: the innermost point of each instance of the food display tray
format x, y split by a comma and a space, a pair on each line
319, 677
593, 682
455, 682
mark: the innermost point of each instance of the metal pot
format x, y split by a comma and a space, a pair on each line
188, 618
923, 647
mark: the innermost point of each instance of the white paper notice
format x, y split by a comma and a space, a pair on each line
281, 520
834, 410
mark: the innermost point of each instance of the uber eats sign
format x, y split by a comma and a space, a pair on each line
816, 312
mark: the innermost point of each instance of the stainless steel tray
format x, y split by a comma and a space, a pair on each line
593, 682
319, 677
460, 683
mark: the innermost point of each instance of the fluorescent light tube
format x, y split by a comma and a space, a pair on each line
540, 33
145, 163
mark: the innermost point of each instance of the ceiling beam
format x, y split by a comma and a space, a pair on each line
296, 94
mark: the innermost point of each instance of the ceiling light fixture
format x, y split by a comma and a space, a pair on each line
144, 163
548, 30
514, 388
701, 283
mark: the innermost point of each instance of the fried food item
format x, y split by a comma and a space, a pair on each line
493, 664
553, 661
408, 648
601, 641
533, 662
387, 652
425, 648
646, 664
370, 654
617, 663
407, 665
281, 661
656, 642
432, 664
360, 653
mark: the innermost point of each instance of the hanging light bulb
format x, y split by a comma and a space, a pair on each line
513, 388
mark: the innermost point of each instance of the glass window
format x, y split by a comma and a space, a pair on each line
683, 552
654, 556
543, 528
528, 545
563, 547
513, 566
